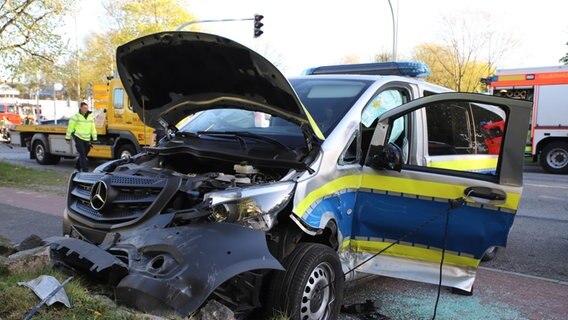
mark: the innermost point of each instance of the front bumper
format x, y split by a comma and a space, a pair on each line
165, 270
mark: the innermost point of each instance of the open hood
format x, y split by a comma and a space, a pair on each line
171, 75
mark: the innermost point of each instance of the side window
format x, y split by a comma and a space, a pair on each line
382, 102
464, 136
118, 99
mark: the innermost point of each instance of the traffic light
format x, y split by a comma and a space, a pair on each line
258, 25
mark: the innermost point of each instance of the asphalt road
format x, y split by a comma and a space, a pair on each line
538, 242
527, 280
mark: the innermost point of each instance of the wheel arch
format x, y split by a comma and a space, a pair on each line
328, 233
124, 138
38, 137
544, 142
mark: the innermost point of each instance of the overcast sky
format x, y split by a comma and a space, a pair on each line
299, 34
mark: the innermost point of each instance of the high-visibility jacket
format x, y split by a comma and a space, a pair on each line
82, 126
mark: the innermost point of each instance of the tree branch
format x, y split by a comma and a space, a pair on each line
17, 14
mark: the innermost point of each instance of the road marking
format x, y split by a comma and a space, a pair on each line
564, 283
545, 186
551, 198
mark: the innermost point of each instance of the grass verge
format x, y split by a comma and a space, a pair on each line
15, 176
86, 302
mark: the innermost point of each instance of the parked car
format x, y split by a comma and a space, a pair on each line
279, 190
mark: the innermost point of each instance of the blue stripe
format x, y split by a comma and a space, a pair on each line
471, 230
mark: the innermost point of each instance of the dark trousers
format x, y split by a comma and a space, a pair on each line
83, 148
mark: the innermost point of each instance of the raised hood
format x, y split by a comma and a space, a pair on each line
170, 75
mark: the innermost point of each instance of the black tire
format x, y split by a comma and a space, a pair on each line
124, 151
554, 157
489, 254
311, 287
42, 156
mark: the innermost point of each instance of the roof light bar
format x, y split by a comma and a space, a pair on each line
408, 69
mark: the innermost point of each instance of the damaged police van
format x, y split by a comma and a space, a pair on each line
276, 191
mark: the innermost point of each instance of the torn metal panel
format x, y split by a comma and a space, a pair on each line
43, 286
176, 269
87, 257
421, 271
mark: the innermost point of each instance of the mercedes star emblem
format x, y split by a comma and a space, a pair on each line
99, 195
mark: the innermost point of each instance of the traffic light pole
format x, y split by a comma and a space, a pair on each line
215, 20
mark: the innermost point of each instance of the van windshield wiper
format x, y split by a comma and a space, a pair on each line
244, 134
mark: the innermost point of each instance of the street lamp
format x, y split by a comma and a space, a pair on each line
393, 32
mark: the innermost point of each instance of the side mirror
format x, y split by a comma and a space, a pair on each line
387, 157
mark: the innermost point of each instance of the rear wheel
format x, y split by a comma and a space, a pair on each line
125, 151
311, 287
41, 154
489, 254
554, 157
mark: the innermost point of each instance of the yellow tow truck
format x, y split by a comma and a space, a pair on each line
120, 131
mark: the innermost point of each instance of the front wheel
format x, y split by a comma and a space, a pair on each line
311, 287
554, 157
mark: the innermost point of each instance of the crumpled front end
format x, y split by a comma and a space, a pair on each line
165, 270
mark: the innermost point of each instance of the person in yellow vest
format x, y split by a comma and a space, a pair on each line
82, 129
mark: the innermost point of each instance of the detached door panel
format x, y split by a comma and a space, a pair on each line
464, 168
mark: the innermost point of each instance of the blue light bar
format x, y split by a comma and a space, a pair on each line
408, 69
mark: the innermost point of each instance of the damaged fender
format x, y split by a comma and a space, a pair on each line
176, 269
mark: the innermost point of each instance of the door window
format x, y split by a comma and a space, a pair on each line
464, 136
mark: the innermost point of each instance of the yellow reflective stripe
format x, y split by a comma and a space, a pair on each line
414, 253
314, 125
83, 136
466, 164
345, 182
393, 184
426, 188
346, 243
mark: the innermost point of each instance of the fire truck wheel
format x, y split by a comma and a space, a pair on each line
554, 157
41, 154
125, 151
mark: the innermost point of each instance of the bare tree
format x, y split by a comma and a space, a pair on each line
383, 56
350, 59
467, 52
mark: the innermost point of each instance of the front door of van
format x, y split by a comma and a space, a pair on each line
456, 193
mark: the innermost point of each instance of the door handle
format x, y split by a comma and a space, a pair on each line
485, 195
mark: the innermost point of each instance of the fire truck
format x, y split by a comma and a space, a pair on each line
547, 88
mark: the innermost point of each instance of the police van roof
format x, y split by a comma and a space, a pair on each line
408, 69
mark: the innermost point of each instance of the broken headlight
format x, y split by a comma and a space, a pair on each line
255, 207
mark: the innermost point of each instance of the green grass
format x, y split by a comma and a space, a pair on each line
15, 300
15, 176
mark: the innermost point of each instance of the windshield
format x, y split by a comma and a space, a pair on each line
327, 100
238, 120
